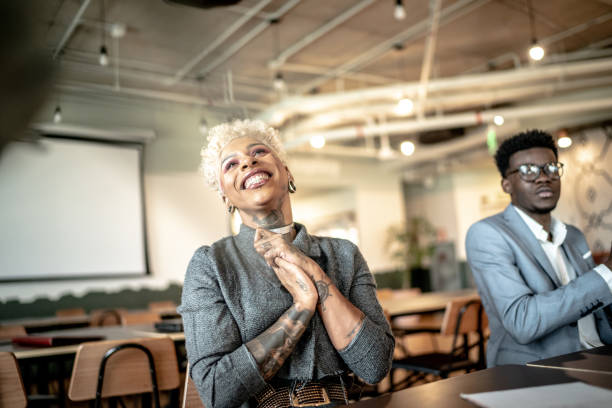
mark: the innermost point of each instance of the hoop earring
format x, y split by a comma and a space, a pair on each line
231, 209
292, 188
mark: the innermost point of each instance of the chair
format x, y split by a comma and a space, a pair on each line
106, 317
104, 369
132, 318
191, 398
463, 319
12, 392
8, 332
162, 306
77, 311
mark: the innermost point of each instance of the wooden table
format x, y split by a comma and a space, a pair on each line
598, 360
40, 324
425, 303
445, 393
108, 332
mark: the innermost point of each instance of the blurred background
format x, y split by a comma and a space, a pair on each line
390, 111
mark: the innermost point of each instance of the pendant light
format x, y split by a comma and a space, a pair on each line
103, 56
536, 52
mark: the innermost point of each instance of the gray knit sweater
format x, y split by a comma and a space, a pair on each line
231, 296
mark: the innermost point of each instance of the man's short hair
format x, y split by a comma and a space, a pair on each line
522, 141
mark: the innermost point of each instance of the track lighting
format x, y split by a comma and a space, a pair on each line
103, 58
57, 114
399, 12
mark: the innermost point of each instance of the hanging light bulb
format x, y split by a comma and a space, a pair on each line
407, 148
57, 114
536, 52
279, 82
103, 58
564, 142
399, 12
203, 126
404, 107
498, 120
317, 141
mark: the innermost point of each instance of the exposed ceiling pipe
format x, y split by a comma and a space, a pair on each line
180, 74
448, 14
318, 33
150, 94
71, 27
466, 100
430, 49
324, 102
259, 28
544, 41
455, 120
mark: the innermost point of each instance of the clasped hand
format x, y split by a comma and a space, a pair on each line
295, 270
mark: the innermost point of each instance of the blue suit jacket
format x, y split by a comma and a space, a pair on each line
531, 315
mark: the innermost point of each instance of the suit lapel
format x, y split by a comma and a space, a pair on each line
529, 243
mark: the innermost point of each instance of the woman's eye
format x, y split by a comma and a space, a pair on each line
229, 165
259, 151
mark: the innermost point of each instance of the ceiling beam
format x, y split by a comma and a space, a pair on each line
185, 69
448, 14
237, 46
73, 24
318, 33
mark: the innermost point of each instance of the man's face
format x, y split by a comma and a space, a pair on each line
534, 197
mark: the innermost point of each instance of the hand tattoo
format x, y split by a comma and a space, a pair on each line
272, 347
323, 291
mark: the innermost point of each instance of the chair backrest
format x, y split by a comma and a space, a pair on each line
139, 318
162, 306
77, 311
8, 332
191, 397
463, 316
106, 317
12, 393
126, 372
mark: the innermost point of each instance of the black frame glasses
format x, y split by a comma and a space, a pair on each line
531, 172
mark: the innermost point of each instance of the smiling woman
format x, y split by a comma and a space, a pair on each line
274, 316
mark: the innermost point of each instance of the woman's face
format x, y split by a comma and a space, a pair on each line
252, 177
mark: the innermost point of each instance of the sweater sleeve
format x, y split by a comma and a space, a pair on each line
223, 370
370, 353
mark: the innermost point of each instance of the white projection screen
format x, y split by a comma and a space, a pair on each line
71, 209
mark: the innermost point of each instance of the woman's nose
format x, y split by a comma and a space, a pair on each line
251, 161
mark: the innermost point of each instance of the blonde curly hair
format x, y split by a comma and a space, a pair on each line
220, 135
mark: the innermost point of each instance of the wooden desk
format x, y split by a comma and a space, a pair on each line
109, 332
425, 303
41, 324
598, 360
445, 393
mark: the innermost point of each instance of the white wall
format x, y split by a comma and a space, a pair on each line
183, 214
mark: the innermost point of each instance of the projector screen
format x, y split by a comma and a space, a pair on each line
71, 209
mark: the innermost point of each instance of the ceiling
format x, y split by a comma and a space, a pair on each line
346, 63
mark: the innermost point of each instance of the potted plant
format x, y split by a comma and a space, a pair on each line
412, 245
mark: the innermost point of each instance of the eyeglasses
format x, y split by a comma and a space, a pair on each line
531, 172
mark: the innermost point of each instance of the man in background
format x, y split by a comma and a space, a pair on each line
538, 282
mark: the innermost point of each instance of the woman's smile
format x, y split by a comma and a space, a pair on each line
255, 180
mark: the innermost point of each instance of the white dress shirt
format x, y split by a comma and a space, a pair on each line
587, 329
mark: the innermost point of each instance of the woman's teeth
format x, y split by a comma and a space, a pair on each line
255, 180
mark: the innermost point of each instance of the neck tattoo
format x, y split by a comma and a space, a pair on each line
282, 230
